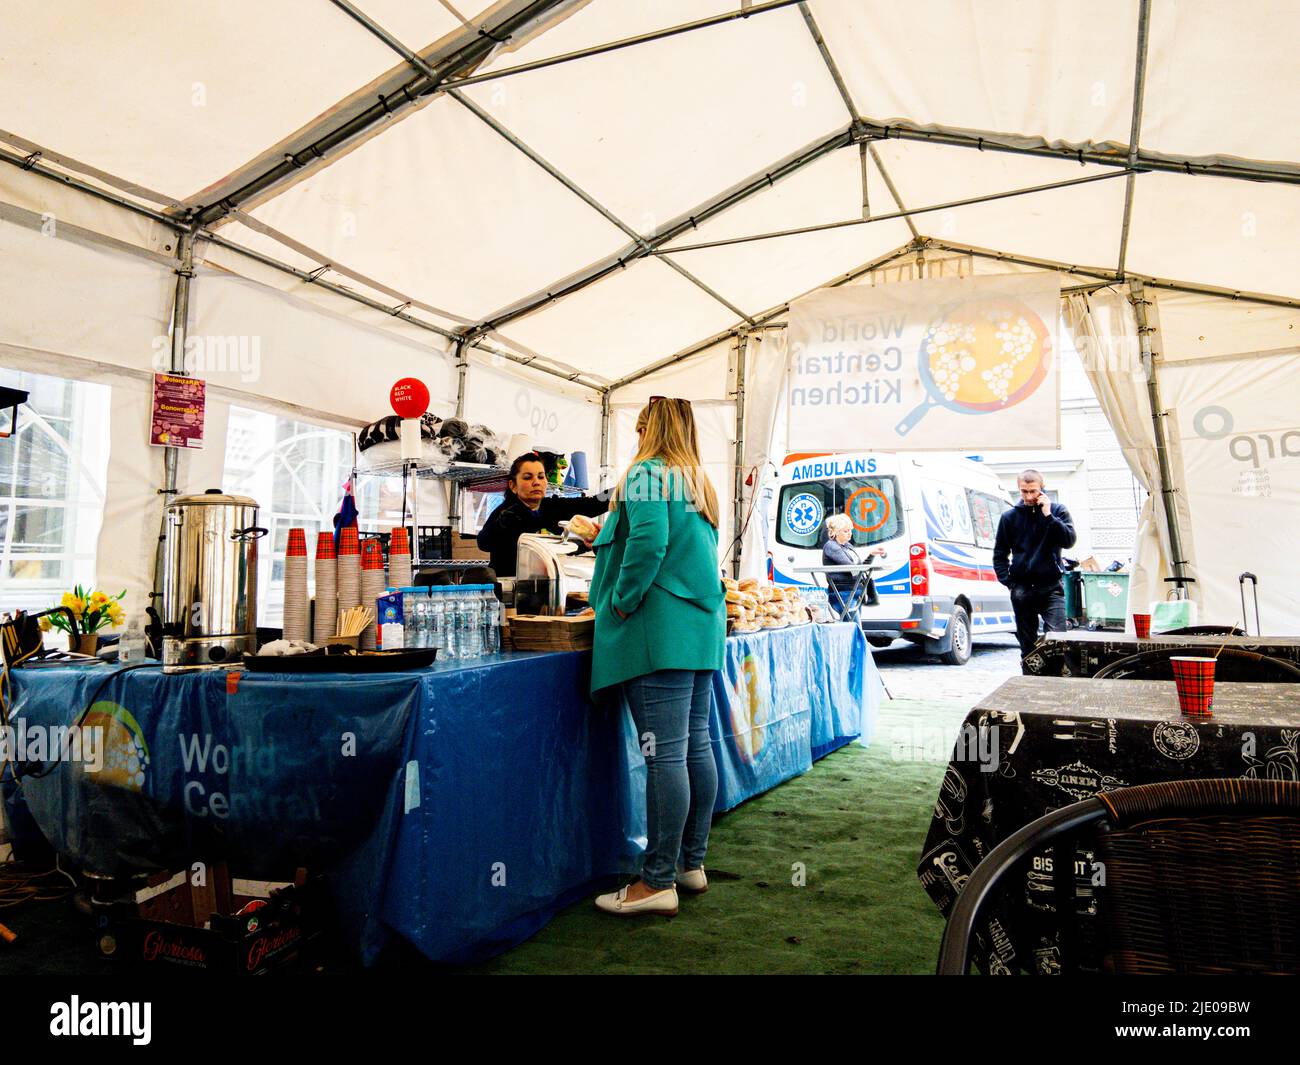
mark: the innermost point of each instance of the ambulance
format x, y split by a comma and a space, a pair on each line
935, 516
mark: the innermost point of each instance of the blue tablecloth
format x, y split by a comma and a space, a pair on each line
459, 807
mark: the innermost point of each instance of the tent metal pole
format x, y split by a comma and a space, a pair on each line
862, 166
620, 259
738, 501
171, 455
1139, 91
762, 319
27, 163
462, 371
864, 148
453, 494
365, 301
1118, 156
585, 197
893, 190
893, 215
473, 45
1137, 296
1219, 292
604, 439
828, 60
627, 42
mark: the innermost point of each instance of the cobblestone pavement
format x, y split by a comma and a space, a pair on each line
910, 674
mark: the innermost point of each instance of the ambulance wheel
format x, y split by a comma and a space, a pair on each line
959, 626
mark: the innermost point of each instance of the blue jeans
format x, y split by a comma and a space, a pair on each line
671, 711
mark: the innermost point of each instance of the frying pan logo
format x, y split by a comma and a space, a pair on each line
978, 358
868, 509
126, 754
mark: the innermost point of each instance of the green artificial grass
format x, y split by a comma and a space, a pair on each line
856, 821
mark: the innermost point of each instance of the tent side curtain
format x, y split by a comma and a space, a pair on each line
1105, 334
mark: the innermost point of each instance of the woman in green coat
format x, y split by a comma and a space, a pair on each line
661, 620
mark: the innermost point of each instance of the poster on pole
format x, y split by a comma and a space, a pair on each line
947, 364
177, 417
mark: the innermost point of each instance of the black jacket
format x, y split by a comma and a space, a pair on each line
1034, 543
836, 554
500, 534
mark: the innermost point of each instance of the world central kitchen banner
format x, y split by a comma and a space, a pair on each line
938, 365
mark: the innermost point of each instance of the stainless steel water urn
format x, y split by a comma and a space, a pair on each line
210, 580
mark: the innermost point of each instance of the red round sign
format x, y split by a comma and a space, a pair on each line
409, 397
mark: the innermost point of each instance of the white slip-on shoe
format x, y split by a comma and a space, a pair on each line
663, 903
693, 880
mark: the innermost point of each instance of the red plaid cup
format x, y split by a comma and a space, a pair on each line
325, 545
372, 555
1142, 625
348, 542
297, 543
399, 543
1194, 678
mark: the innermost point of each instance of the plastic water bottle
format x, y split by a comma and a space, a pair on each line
131, 647
416, 620
450, 623
435, 611
491, 621
472, 625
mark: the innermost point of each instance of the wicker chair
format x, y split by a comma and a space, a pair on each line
1202, 877
1234, 664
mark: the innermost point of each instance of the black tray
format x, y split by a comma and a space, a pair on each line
365, 662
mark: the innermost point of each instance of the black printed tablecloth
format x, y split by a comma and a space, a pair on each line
1039, 743
1079, 653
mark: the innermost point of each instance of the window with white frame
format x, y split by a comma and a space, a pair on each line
52, 474
296, 472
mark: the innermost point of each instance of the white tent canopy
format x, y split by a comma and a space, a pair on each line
379, 188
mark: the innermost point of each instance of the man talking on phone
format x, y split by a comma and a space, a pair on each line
1033, 533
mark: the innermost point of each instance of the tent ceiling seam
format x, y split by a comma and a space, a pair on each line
517, 143
572, 186
744, 12
463, 52
893, 189
689, 220
761, 319
901, 214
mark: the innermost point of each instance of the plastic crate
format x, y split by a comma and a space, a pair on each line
1105, 599
435, 542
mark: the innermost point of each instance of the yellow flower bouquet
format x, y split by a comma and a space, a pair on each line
93, 610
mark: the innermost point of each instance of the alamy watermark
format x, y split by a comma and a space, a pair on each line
209, 356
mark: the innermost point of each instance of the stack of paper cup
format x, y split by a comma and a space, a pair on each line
327, 590
399, 559
373, 584
295, 587
349, 569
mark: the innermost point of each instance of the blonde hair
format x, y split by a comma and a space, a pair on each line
667, 428
837, 523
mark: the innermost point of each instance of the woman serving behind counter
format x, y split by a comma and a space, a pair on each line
661, 623
528, 509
